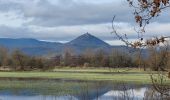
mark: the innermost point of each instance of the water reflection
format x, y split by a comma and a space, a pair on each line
78, 91
131, 94
110, 95
38, 97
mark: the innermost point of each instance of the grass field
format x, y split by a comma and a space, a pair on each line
90, 74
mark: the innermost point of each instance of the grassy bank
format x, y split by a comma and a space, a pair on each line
101, 74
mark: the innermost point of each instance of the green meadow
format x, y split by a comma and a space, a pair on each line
89, 74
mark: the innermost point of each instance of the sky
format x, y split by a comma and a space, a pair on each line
64, 20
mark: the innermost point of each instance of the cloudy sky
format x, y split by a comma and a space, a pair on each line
64, 20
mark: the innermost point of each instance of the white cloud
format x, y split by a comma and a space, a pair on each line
157, 29
63, 20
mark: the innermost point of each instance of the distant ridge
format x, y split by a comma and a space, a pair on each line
35, 47
23, 42
29, 46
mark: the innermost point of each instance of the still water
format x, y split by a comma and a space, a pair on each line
72, 90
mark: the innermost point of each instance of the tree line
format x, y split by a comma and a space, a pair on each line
155, 60
17, 60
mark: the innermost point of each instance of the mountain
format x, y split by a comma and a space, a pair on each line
87, 41
39, 48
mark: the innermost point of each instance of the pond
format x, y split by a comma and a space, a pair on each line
72, 90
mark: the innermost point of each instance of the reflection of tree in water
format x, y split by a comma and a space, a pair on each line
122, 91
160, 89
92, 90
152, 94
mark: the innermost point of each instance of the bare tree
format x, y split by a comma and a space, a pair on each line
20, 60
3, 56
144, 12
68, 53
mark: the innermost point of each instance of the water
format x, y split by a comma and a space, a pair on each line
109, 95
59, 90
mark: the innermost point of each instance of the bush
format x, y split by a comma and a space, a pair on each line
86, 65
